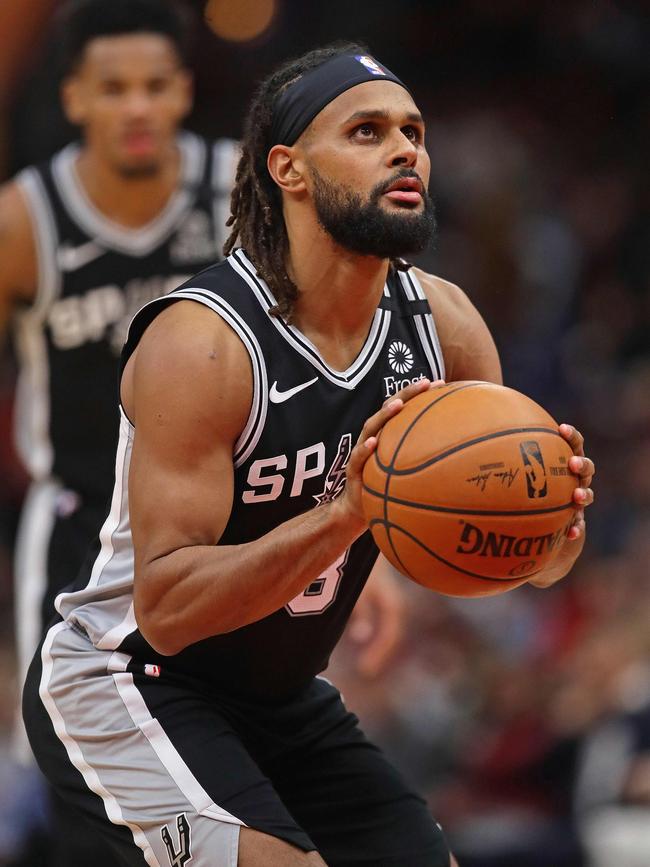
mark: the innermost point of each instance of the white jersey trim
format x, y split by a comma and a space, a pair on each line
132, 242
30, 566
67, 603
113, 518
424, 324
46, 240
32, 408
252, 431
32, 411
91, 778
347, 379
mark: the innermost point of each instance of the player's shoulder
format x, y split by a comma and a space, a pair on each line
445, 298
14, 211
190, 306
215, 277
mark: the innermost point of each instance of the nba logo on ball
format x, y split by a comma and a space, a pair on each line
370, 64
535, 469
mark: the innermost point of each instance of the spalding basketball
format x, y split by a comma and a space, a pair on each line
469, 490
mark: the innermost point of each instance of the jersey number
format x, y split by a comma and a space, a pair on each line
321, 593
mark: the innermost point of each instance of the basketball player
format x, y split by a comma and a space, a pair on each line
86, 239
107, 224
178, 701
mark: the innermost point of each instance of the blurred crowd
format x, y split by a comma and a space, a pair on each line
525, 717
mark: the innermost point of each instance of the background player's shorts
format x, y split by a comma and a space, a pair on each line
165, 770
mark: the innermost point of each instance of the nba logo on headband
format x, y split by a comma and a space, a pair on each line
300, 102
370, 64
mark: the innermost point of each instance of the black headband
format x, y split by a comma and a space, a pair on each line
299, 104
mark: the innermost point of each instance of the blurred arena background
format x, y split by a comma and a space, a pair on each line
525, 718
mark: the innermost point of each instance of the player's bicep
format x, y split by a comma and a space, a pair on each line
18, 275
474, 354
174, 505
187, 414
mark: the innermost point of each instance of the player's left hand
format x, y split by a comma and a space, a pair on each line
583, 496
377, 623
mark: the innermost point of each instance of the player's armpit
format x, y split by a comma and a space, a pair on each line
467, 345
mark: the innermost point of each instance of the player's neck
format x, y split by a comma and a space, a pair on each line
338, 291
129, 200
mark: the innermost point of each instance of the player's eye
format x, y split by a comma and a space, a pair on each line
112, 88
365, 132
412, 133
158, 85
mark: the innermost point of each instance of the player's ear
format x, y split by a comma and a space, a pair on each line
286, 168
72, 101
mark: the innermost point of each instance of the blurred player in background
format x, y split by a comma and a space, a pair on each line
109, 223
235, 546
106, 225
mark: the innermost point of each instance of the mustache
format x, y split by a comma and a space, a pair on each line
381, 188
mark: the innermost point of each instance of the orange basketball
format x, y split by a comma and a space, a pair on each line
469, 491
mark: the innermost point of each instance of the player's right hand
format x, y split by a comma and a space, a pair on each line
350, 499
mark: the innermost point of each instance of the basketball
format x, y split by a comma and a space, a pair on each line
469, 491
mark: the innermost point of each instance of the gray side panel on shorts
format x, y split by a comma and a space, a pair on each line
169, 811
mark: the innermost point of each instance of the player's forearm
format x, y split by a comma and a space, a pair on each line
199, 591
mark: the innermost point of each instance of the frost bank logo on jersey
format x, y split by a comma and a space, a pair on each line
400, 360
400, 357
370, 64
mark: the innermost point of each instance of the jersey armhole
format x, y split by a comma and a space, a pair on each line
425, 324
252, 431
46, 240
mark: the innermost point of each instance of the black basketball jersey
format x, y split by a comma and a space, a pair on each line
93, 276
291, 456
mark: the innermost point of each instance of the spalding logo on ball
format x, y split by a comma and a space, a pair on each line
469, 491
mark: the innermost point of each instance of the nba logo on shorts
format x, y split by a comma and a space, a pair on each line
370, 64
535, 469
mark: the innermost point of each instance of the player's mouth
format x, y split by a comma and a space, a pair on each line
406, 191
139, 142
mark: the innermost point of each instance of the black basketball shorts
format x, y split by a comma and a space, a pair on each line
166, 771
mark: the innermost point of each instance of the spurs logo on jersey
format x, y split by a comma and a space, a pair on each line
266, 485
335, 481
180, 857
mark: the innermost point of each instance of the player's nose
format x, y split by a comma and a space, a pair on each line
404, 151
138, 103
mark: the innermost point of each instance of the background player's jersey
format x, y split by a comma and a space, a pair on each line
291, 456
93, 276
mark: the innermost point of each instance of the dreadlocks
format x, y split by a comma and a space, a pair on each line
256, 203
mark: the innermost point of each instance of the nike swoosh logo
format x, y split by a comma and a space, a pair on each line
72, 258
277, 396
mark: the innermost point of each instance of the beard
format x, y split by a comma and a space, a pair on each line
368, 229
138, 172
